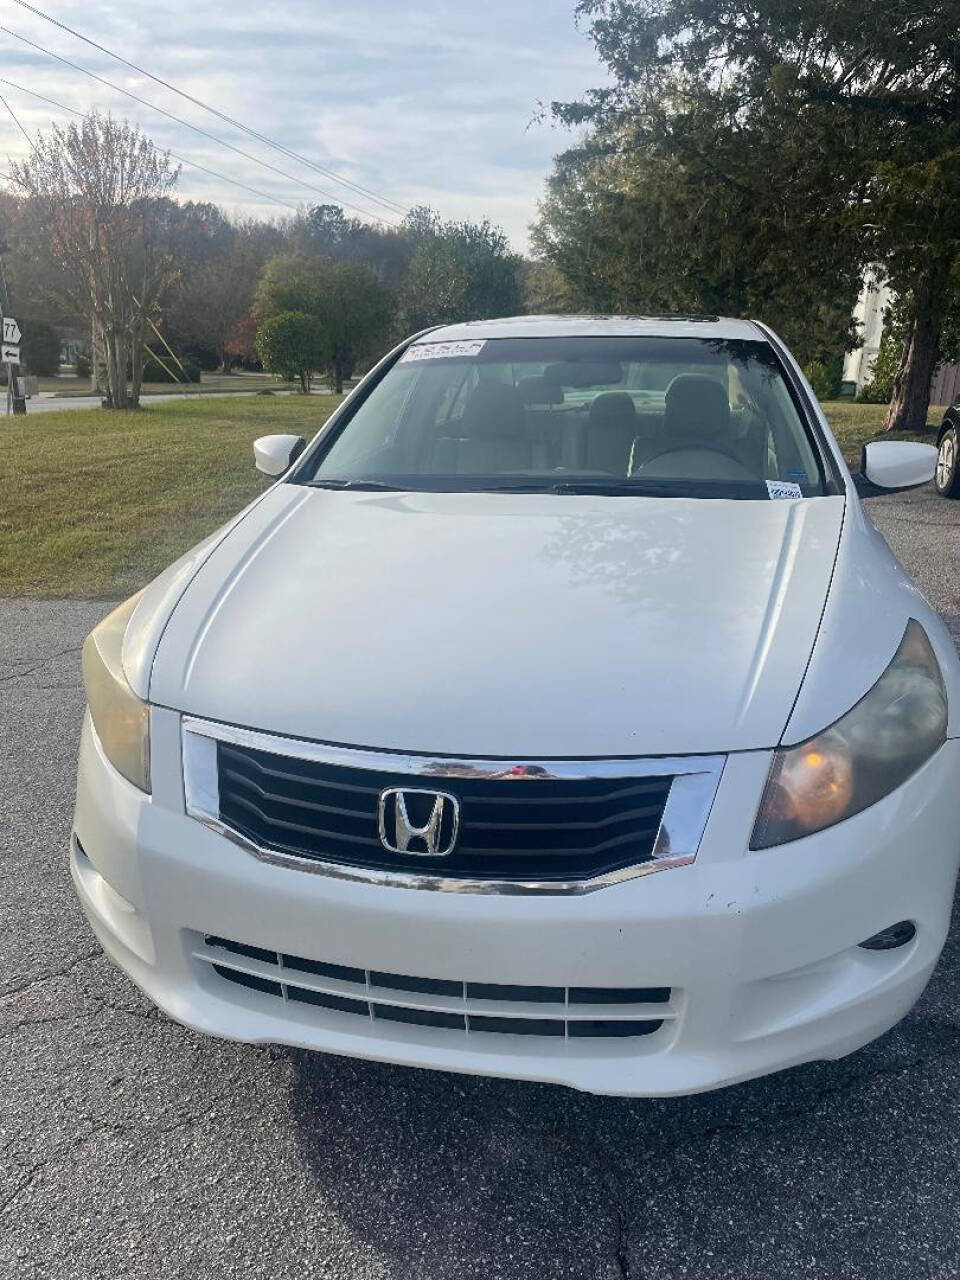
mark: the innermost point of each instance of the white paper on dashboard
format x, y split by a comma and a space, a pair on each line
442, 350
783, 489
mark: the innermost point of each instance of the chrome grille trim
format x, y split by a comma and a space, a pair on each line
691, 797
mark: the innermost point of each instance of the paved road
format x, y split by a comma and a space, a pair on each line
130, 1147
924, 531
48, 403
56, 404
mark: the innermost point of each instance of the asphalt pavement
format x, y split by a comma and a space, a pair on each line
49, 403
56, 404
131, 1147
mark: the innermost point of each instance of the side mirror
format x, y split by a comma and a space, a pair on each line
895, 464
276, 454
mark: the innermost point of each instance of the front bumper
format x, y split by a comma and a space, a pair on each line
758, 950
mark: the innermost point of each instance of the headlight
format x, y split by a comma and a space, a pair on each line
121, 720
871, 750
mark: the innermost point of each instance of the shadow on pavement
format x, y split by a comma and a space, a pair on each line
825, 1169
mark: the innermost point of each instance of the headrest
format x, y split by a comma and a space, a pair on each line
537, 390
613, 408
493, 410
697, 407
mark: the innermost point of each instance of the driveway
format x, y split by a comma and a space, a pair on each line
132, 1147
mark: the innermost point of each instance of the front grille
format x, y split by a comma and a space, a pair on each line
521, 828
468, 1008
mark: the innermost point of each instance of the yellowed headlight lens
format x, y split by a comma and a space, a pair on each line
121, 720
811, 788
875, 747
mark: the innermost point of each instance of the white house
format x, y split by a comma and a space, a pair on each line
869, 312
858, 365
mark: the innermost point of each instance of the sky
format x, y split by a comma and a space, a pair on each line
421, 101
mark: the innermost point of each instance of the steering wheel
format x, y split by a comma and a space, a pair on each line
733, 464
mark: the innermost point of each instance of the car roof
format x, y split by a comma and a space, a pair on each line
598, 327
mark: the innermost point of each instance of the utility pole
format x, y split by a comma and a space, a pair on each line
4, 309
11, 340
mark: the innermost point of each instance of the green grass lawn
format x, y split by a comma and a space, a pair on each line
855, 424
95, 504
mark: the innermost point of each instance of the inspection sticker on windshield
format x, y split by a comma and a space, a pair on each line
442, 350
783, 489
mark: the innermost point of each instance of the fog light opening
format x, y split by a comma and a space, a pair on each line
895, 935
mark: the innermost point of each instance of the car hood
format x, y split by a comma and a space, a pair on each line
518, 625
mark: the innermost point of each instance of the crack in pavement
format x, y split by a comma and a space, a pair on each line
48, 977
591, 1155
786, 1118
78, 1015
35, 1170
600, 1160
24, 1023
595, 1154
130, 1128
50, 657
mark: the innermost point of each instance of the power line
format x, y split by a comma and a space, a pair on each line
253, 133
192, 164
329, 195
30, 142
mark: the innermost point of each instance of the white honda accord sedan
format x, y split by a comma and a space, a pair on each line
557, 714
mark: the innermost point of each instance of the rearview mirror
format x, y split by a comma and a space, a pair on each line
276, 454
895, 464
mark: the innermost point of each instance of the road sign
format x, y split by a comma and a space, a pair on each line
11, 330
10, 353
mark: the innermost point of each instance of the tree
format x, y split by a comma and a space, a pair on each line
200, 232
950, 332
289, 282
648, 227
853, 114
210, 300
546, 290
326, 231
219, 263
97, 190
458, 271
352, 305
291, 344
41, 348
242, 340
33, 279
356, 310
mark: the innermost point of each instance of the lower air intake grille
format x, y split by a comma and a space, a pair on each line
468, 1008
515, 827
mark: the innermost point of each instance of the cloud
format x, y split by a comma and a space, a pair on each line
425, 102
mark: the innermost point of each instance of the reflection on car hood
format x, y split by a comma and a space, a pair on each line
501, 624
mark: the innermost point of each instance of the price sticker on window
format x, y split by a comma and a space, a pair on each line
783, 489
441, 350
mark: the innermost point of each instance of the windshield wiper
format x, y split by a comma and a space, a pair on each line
614, 487
518, 487
666, 489
367, 485
611, 487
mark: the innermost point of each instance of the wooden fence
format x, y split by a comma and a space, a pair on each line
945, 388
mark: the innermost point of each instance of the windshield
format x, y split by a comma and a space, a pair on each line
663, 416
